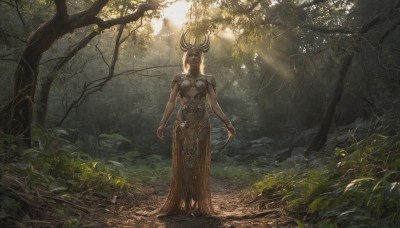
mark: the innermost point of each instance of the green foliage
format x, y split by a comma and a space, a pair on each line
64, 168
367, 191
148, 171
57, 168
237, 175
111, 141
362, 190
57, 157
295, 187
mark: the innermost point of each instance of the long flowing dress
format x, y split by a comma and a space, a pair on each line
191, 149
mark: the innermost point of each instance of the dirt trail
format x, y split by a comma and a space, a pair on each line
232, 206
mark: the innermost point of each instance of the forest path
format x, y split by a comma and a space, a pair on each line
231, 204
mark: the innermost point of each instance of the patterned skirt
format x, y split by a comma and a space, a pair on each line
191, 160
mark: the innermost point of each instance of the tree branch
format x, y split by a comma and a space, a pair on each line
133, 71
75, 50
80, 20
43, 95
389, 30
15, 37
7, 3
102, 56
131, 32
326, 30
127, 19
86, 17
61, 8
97, 87
314, 28
242, 10
19, 13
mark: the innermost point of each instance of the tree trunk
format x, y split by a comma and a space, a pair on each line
43, 98
320, 138
21, 108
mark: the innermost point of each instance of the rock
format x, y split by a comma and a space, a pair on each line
282, 155
299, 150
296, 159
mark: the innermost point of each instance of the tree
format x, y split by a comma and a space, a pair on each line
19, 111
295, 35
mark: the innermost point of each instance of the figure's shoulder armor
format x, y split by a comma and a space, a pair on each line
177, 79
211, 80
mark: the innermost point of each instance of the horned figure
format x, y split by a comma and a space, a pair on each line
203, 47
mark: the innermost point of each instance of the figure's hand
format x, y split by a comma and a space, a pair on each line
160, 133
231, 130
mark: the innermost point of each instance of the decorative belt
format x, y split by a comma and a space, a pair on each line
194, 108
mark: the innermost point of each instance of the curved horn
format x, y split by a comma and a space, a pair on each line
185, 46
205, 46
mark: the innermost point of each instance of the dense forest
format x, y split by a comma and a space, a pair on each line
311, 86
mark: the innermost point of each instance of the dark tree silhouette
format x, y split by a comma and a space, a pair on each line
17, 115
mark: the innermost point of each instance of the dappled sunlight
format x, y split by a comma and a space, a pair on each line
174, 14
273, 59
226, 35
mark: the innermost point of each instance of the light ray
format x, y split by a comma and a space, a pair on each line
175, 14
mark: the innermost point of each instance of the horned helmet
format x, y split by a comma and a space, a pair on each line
187, 46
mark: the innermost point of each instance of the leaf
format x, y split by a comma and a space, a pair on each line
357, 182
393, 189
117, 164
60, 131
55, 187
382, 136
346, 213
340, 152
94, 164
115, 137
315, 204
299, 223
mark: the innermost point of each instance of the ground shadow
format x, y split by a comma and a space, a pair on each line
176, 221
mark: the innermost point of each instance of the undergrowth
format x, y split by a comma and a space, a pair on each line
56, 184
53, 181
361, 189
236, 175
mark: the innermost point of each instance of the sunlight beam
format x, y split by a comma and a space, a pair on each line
175, 13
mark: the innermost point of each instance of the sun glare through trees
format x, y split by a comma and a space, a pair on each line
175, 14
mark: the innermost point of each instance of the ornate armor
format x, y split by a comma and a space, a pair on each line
190, 187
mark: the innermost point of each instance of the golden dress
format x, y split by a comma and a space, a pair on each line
191, 149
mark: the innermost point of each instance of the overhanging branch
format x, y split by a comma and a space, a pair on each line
86, 17
61, 8
242, 10
126, 19
326, 30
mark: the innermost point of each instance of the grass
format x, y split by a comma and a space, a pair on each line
157, 171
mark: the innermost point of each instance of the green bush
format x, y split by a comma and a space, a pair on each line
56, 168
361, 190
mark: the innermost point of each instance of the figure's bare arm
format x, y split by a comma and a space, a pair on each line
212, 99
169, 108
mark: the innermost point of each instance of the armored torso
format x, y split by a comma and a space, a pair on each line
192, 122
193, 93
